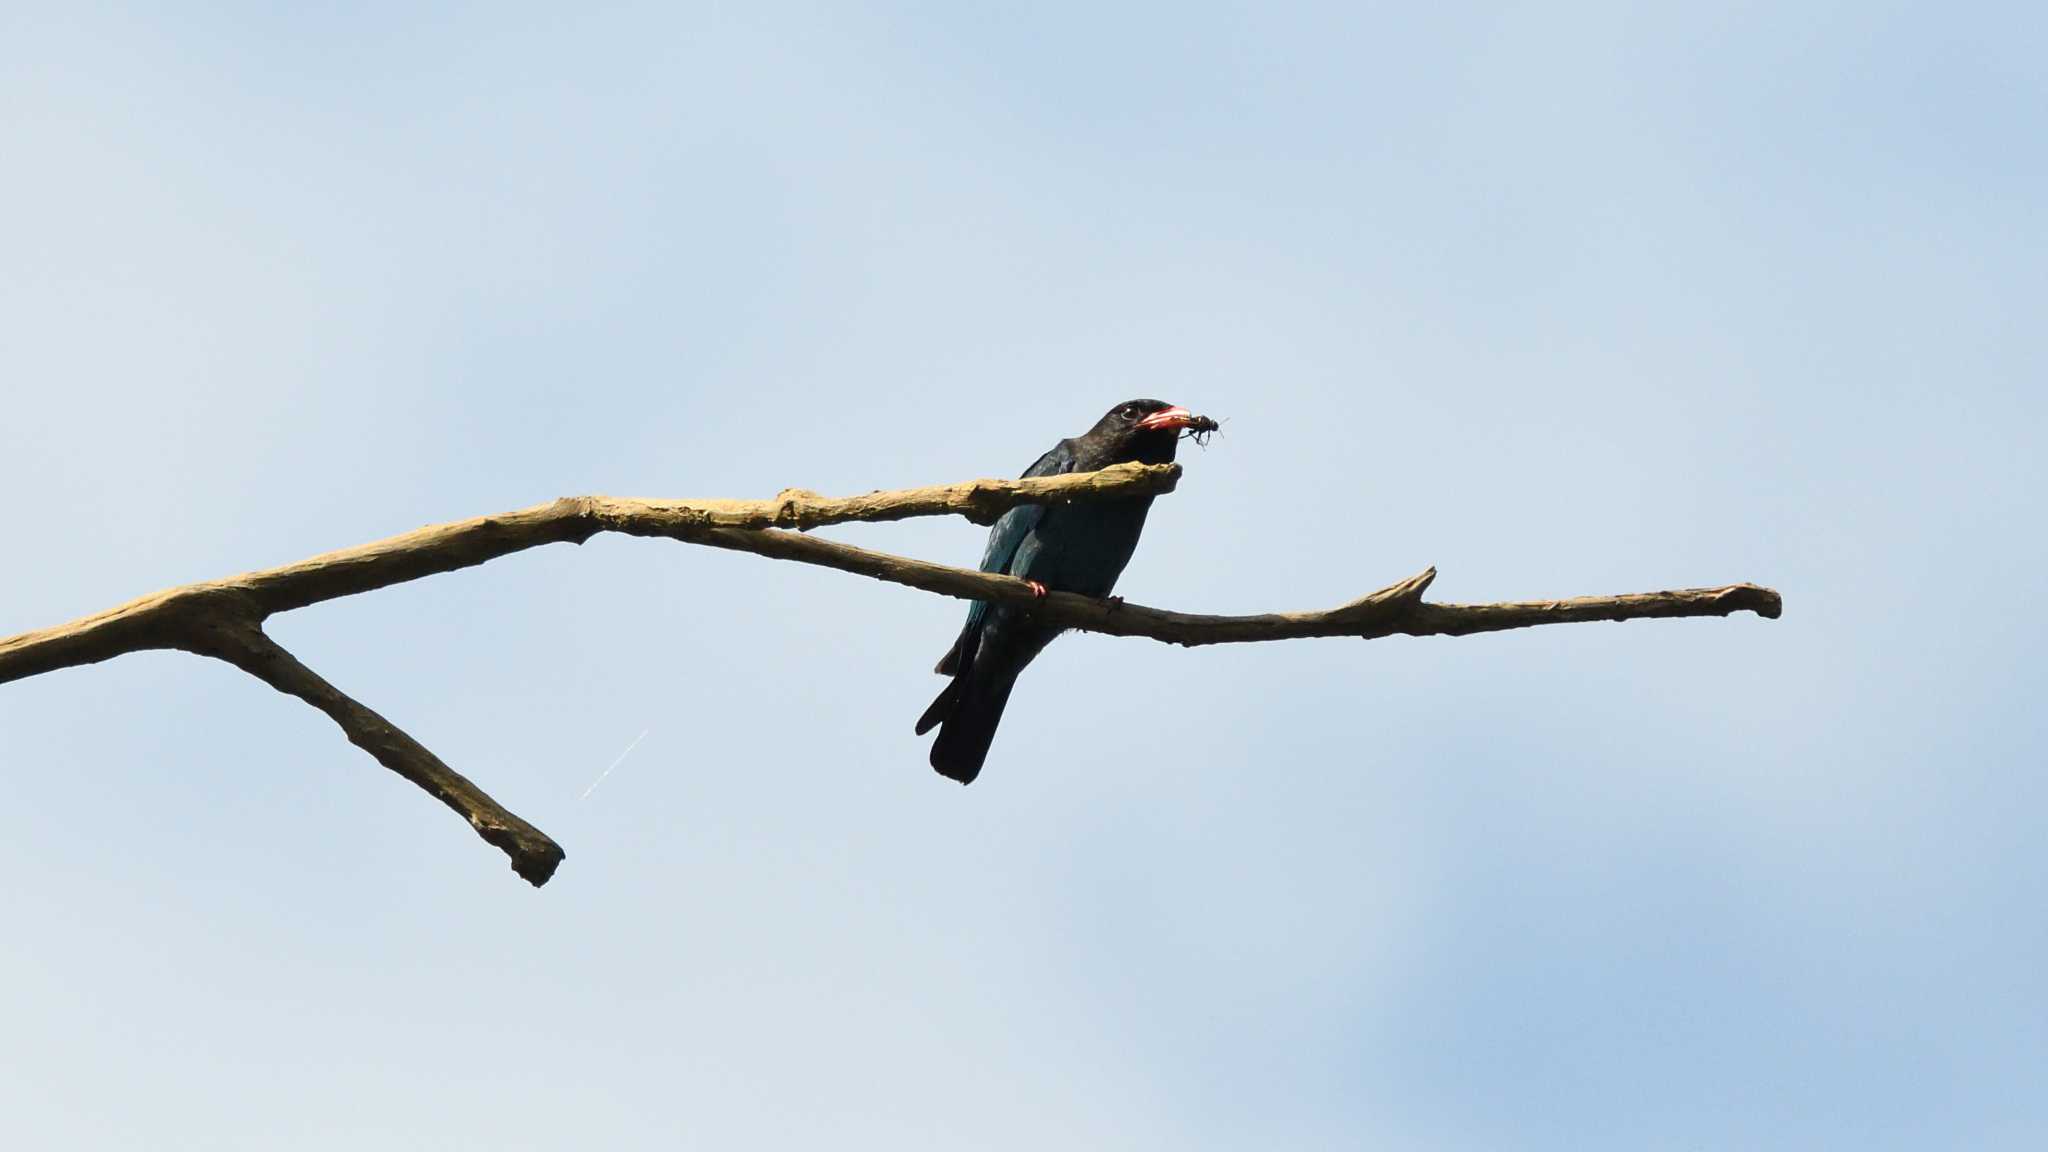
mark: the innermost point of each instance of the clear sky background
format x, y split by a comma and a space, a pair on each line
1564, 300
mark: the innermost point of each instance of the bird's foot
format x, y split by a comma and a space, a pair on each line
1037, 590
1115, 602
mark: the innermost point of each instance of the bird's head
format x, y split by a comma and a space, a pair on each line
1148, 430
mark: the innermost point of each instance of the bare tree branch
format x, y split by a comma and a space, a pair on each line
224, 619
244, 644
157, 620
1397, 609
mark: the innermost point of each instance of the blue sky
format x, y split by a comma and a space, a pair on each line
1561, 300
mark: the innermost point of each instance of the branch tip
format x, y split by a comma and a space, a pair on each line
1410, 590
244, 644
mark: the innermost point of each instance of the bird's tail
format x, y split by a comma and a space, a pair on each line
969, 710
940, 708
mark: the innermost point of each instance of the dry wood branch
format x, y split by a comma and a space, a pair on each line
244, 644
154, 620
1397, 609
224, 618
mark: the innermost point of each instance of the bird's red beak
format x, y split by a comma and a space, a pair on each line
1175, 417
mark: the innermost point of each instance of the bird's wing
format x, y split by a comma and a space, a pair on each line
1003, 541
1014, 525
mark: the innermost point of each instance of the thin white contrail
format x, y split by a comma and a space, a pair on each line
615, 764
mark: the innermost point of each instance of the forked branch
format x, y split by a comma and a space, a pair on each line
224, 619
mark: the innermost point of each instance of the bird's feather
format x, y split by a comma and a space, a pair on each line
1009, 534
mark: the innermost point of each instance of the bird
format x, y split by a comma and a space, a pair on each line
1080, 548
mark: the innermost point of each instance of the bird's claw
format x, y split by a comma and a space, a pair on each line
1037, 590
1115, 602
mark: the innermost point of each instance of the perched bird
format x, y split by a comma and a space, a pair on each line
1078, 548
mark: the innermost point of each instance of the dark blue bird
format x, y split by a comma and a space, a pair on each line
1072, 547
